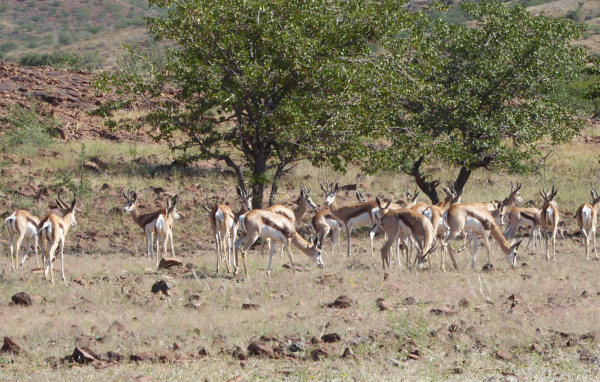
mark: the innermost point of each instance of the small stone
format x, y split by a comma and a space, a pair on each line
515, 297
250, 306
164, 287
411, 300
176, 346
261, 349
347, 353
414, 355
116, 327
269, 337
169, 262
585, 294
27, 161
443, 311
331, 338
505, 356
341, 302
25, 299
140, 357
11, 347
464, 303
319, 354
385, 305
82, 356
53, 362
488, 267
537, 348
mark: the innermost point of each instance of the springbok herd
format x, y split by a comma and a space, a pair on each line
418, 225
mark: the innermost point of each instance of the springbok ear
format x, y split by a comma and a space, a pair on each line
168, 203
389, 203
337, 187
378, 201
516, 245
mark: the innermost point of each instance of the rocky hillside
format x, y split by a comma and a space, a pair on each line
64, 95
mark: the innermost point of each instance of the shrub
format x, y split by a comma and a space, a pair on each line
574, 14
8, 46
56, 3
94, 29
65, 38
27, 128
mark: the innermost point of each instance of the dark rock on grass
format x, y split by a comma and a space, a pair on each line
319, 354
331, 338
384, 305
411, 300
503, 355
269, 337
53, 362
83, 356
141, 357
443, 311
12, 347
111, 356
464, 303
488, 267
169, 262
25, 299
347, 353
341, 302
164, 287
250, 306
259, 348
536, 348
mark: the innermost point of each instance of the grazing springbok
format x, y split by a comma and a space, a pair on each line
222, 223
353, 215
549, 217
304, 202
268, 225
465, 216
587, 217
54, 229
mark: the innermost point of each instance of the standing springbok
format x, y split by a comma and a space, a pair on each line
587, 217
549, 216
304, 202
24, 225
353, 215
268, 225
222, 223
164, 228
406, 222
325, 222
147, 222
54, 230
465, 216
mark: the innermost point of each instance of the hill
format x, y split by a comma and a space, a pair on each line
99, 28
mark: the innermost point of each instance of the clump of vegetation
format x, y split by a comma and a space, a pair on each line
27, 128
89, 61
67, 181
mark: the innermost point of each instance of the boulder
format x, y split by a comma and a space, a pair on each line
11, 347
164, 287
169, 262
82, 356
260, 349
341, 302
330, 338
25, 299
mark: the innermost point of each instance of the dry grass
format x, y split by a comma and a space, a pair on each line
118, 279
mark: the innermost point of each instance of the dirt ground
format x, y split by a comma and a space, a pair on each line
537, 322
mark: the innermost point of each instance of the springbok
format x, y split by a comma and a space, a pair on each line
325, 222
268, 225
587, 217
465, 216
54, 230
549, 216
164, 228
352, 215
222, 223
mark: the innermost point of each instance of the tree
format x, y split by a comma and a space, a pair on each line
260, 84
476, 96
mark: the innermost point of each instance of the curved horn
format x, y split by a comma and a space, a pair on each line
378, 201
596, 192
60, 198
74, 200
389, 202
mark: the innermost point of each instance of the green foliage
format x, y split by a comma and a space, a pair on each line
479, 97
89, 61
56, 3
574, 14
94, 29
8, 46
143, 61
276, 71
27, 128
65, 38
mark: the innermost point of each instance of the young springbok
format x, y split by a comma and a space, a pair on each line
222, 223
549, 216
24, 225
164, 228
587, 217
54, 230
268, 225
325, 222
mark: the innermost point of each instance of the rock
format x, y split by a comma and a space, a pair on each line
414, 355
203, 352
164, 287
385, 305
82, 356
169, 262
348, 187
515, 297
105, 187
347, 353
330, 338
536, 348
27, 191
116, 327
176, 346
141, 378
341, 302
163, 357
27, 161
80, 280
260, 349
140, 357
443, 311
357, 341
111, 356
504, 356
319, 354
464, 303
89, 165
269, 337
142, 160
11, 347
53, 362
296, 347
297, 267
585, 294
411, 301
25, 299
250, 306
488, 267
395, 287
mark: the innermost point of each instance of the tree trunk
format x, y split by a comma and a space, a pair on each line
259, 172
463, 176
428, 187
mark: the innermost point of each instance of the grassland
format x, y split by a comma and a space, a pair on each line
110, 280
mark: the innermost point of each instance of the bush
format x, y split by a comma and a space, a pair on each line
574, 14
65, 38
27, 128
56, 3
8, 46
90, 61
94, 29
